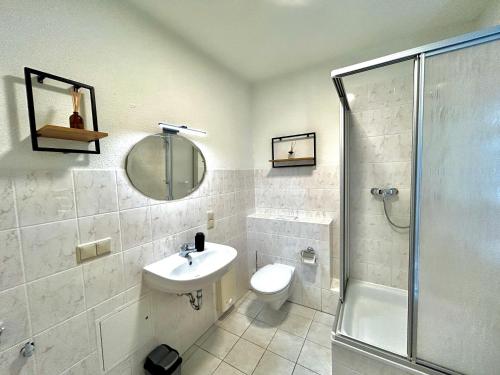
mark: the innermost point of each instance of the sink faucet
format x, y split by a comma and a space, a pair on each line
186, 250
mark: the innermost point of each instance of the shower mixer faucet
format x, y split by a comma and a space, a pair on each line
384, 193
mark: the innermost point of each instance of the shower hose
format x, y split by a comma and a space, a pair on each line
388, 217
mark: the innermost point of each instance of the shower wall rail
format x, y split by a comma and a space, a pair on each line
418, 55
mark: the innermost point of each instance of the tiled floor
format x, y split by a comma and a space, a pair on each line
254, 339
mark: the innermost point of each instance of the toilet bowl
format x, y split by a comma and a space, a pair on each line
273, 284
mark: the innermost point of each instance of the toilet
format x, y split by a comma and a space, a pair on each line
273, 284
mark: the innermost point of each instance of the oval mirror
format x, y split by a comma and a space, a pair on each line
165, 166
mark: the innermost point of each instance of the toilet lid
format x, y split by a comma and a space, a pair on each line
271, 278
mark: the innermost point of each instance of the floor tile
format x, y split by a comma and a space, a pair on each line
219, 343
205, 335
244, 356
250, 307
324, 318
271, 316
225, 369
299, 370
316, 358
259, 333
189, 352
235, 323
286, 345
296, 309
320, 334
200, 363
296, 325
271, 363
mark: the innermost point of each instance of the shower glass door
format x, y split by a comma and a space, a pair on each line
459, 241
379, 153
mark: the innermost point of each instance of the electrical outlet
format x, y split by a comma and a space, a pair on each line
210, 215
86, 251
104, 246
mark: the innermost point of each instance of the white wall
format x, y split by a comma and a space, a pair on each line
142, 74
297, 103
306, 101
490, 16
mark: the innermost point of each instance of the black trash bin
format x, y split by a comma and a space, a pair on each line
163, 360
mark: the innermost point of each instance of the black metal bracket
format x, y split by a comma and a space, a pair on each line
40, 77
306, 163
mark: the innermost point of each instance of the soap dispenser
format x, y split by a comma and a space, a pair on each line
199, 241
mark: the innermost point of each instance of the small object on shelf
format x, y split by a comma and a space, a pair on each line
291, 152
63, 132
75, 120
300, 153
38, 79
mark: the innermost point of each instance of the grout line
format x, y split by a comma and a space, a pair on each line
24, 283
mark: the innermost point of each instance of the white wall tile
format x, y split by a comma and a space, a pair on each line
11, 363
56, 298
7, 208
329, 301
311, 296
103, 278
95, 191
87, 366
134, 260
14, 314
163, 219
93, 228
49, 248
61, 291
44, 196
165, 247
11, 270
62, 346
98, 311
265, 238
135, 227
128, 196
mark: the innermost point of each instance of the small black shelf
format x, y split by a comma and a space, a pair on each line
301, 161
35, 133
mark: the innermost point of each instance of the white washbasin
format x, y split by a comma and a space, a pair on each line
174, 274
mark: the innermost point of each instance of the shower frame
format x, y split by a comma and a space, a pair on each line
418, 55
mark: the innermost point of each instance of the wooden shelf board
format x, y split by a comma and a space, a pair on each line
292, 159
64, 132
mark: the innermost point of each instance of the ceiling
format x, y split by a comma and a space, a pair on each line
258, 39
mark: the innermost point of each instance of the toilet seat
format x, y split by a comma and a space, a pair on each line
272, 278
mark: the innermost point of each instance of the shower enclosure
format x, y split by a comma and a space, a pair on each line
420, 206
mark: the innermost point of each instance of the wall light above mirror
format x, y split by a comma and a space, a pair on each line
165, 166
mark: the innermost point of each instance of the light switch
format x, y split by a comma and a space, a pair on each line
210, 219
87, 251
104, 246
210, 215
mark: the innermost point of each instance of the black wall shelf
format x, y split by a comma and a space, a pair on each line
35, 133
302, 161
